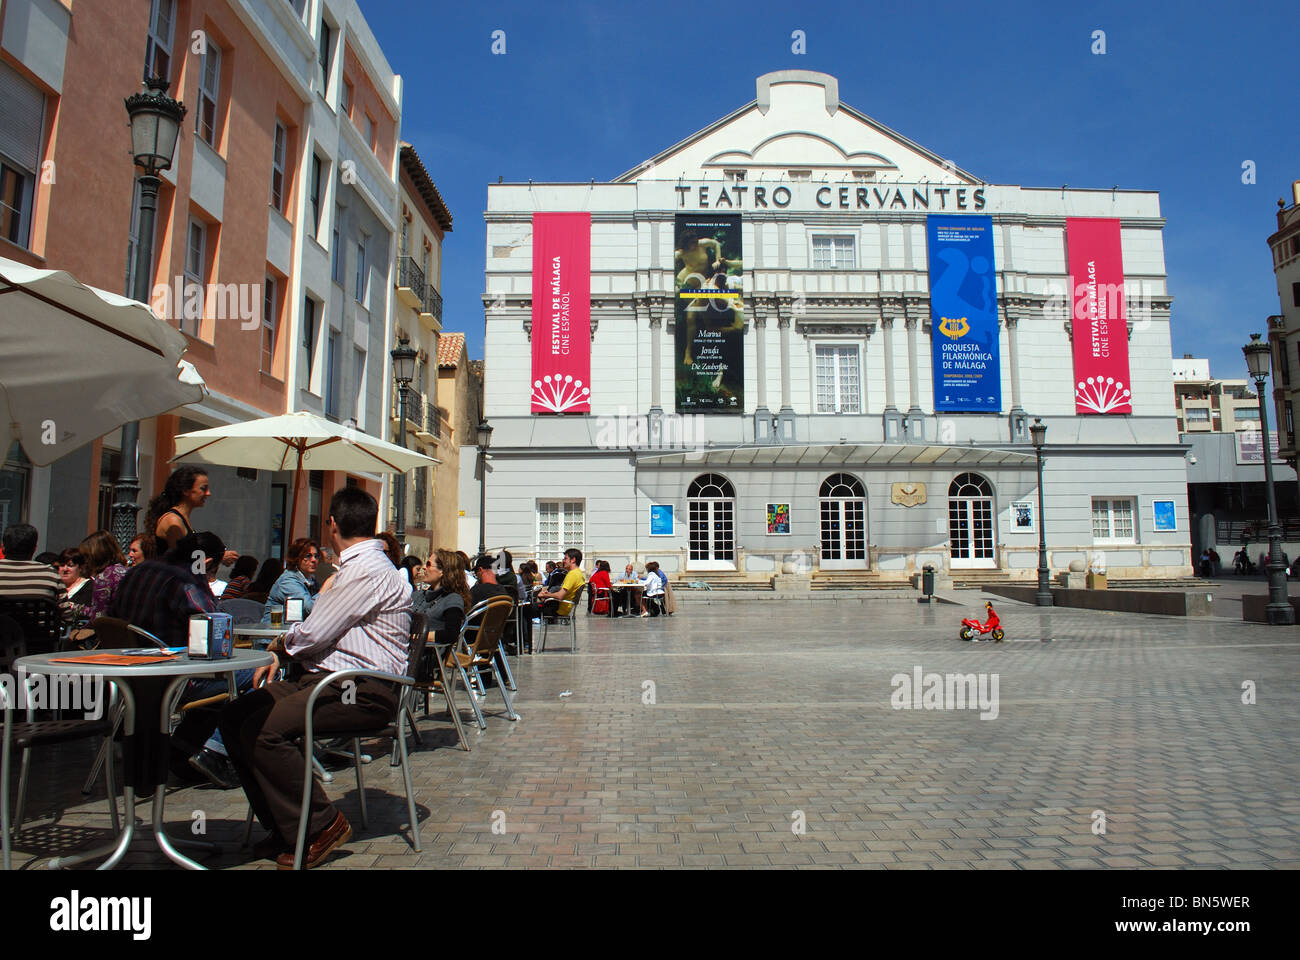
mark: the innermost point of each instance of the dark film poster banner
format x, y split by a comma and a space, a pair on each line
710, 320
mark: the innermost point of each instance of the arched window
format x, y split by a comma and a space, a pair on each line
970, 521
711, 502
843, 520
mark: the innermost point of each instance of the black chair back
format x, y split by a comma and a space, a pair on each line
38, 619
419, 638
12, 644
242, 611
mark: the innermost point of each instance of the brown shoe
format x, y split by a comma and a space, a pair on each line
319, 847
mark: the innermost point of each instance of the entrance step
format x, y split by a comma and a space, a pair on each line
855, 580
979, 579
1170, 583
720, 581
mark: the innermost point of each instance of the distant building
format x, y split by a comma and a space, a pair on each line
460, 397
1207, 405
1284, 329
797, 341
417, 315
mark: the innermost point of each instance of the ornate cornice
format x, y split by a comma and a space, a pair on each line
831, 329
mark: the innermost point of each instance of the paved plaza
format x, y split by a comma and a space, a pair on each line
762, 734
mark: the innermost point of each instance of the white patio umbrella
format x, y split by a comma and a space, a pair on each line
288, 441
77, 362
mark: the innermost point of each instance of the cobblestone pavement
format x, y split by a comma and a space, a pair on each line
708, 738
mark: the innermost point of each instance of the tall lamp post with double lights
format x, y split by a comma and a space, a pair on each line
484, 432
1278, 611
155, 120
403, 373
1038, 433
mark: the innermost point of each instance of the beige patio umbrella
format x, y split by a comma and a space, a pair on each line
288, 441
77, 362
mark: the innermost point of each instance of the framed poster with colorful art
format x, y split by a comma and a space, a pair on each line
778, 519
661, 520
1165, 516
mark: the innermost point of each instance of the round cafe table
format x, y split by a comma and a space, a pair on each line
258, 634
147, 690
630, 592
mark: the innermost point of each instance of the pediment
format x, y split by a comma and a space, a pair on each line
796, 125
800, 147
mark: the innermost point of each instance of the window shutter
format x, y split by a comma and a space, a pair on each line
22, 109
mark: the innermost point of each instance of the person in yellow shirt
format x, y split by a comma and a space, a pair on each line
560, 602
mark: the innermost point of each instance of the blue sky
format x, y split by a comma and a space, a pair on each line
1185, 93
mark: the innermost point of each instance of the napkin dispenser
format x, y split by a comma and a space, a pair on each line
212, 636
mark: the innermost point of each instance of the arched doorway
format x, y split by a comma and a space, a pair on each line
970, 522
843, 523
711, 502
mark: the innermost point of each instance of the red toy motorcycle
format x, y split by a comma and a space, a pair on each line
971, 626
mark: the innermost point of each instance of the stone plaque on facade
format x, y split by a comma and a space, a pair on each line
908, 494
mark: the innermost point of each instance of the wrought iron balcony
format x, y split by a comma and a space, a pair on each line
432, 419
410, 283
433, 302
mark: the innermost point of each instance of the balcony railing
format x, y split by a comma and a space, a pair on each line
432, 419
433, 302
411, 277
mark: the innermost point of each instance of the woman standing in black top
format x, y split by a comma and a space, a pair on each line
170, 512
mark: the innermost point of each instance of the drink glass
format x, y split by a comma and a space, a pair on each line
277, 616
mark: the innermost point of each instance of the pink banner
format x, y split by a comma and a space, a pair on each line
561, 313
1100, 327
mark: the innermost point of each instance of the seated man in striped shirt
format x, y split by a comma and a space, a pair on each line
22, 578
362, 622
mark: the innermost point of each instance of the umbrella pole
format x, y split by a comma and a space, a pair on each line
293, 509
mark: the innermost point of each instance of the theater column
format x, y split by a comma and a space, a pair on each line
915, 422
763, 420
653, 308
893, 420
1019, 421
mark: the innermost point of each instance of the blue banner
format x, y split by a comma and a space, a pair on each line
964, 314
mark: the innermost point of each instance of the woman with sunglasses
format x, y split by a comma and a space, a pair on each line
445, 602
298, 579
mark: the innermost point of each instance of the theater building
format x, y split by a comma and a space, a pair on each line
799, 343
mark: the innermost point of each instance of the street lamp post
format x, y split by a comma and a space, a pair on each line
1278, 611
155, 126
1038, 432
484, 431
403, 372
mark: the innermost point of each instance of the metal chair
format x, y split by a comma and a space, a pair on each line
432, 678
29, 734
570, 618
38, 618
395, 729
603, 593
488, 619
